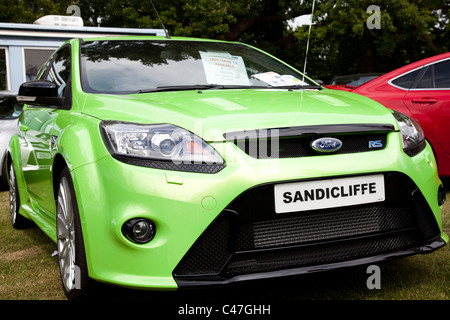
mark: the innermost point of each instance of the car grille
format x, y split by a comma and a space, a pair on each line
296, 142
249, 237
321, 225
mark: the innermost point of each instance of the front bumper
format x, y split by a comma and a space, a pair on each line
249, 240
185, 207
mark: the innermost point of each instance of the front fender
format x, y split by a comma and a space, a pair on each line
72, 141
13, 155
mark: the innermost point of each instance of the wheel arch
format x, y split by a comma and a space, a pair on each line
13, 156
59, 163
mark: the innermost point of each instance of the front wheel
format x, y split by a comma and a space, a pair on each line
71, 253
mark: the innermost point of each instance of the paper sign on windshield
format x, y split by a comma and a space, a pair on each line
223, 68
276, 80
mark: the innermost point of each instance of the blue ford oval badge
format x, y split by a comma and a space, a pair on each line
326, 144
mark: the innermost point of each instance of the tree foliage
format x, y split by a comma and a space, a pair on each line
409, 31
340, 43
27, 11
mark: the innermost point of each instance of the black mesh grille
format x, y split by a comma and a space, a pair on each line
294, 147
169, 165
210, 252
250, 237
296, 142
322, 225
319, 254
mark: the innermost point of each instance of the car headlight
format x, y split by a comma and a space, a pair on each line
412, 134
162, 146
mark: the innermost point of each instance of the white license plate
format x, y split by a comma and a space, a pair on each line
322, 194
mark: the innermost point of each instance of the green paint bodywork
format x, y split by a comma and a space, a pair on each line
183, 204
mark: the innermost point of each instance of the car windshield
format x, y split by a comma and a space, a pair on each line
137, 66
355, 80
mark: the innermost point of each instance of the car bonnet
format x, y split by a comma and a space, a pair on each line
212, 113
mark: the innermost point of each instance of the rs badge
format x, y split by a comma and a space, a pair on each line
375, 144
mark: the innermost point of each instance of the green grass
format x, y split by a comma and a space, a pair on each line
27, 269
29, 272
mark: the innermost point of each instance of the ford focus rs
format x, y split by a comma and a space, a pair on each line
162, 163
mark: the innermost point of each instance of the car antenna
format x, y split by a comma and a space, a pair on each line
160, 21
307, 43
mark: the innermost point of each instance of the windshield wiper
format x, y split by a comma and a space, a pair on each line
219, 86
181, 87
307, 86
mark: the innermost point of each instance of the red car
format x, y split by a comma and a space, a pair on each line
422, 91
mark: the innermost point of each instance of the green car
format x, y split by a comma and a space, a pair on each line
163, 163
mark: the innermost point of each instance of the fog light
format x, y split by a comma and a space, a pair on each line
139, 230
441, 195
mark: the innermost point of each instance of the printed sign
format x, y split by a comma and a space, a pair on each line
276, 80
223, 68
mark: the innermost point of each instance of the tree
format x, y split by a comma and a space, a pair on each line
222, 19
27, 11
342, 42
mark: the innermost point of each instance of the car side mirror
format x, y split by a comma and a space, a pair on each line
40, 92
319, 82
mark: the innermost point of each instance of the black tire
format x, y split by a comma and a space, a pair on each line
71, 253
18, 221
4, 179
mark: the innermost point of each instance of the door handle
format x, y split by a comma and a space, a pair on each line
425, 100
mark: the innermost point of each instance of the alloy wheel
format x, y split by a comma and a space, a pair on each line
12, 194
66, 235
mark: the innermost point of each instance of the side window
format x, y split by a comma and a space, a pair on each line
434, 76
442, 74
407, 81
59, 70
427, 79
34, 59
